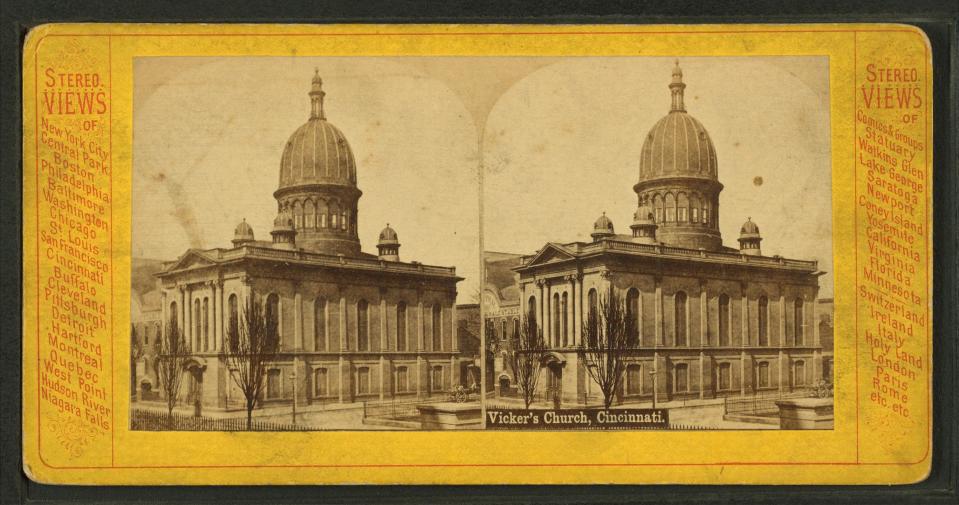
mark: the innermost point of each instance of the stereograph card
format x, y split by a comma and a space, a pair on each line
437, 254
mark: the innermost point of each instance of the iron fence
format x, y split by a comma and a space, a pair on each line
758, 404
150, 420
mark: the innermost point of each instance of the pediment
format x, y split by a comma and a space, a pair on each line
552, 253
191, 259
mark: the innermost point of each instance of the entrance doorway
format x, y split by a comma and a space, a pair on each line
554, 384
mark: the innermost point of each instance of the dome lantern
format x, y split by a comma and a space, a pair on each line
678, 176
603, 228
389, 244
317, 184
749, 238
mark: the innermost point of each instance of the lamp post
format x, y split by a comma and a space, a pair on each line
655, 385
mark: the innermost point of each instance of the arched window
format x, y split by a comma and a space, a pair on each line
401, 326
297, 216
633, 315
657, 209
502, 334
682, 208
436, 327
233, 330
694, 206
723, 320
309, 215
344, 220
681, 382
531, 314
402, 379
564, 308
763, 321
724, 377
319, 325
798, 322
706, 212
362, 326
321, 385
556, 322
515, 328
592, 315
634, 379
362, 381
206, 324
679, 318
197, 336
321, 213
273, 317
670, 208
764, 375
799, 373
334, 216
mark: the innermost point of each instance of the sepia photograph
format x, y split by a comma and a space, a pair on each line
305, 247
658, 237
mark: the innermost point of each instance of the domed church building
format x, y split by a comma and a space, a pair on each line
353, 326
713, 321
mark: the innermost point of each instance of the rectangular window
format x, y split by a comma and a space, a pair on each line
800, 374
658, 215
764, 375
724, 376
402, 379
436, 382
634, 379
705, 216
670, 214
320, 382
682, 378
682, 214
695, 214
273, 384
363, 381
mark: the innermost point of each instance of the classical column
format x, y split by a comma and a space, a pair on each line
421, 379
455, 343
579, 295
573, 332
702, 373
659, 312
703, 315
220, 316
181, 313
539, 318
782, 316
164, 314
781, 365
384, 382
344, 341
817, 345
297, 318
191, 338
744, 340
420, 323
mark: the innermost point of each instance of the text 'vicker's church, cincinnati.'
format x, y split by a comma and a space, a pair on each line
712, 320
352, 326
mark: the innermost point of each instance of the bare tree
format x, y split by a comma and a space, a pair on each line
172, 356
526, 357
136, 352
252, 343
608, 334
492, 348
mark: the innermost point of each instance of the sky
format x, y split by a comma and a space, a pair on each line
559, 138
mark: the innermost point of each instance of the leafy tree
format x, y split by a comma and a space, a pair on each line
253, 341
173, 353
526, 357
608, 335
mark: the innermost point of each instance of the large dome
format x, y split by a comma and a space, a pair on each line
317, 152
678, 144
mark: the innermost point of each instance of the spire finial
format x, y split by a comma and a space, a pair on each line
316, 96
676, 88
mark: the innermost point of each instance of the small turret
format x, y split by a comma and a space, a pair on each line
602, 228
243, 234
749, 239
389, 244
644, 226
284, 235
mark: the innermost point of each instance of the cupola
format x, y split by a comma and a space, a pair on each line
284, 234
749, 239
243, 234
389, 244
602, 228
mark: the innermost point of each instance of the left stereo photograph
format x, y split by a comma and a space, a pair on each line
305, 246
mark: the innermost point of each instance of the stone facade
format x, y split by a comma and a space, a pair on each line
712, 320
353, 326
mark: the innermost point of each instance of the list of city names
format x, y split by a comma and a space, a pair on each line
893, 222
74, 226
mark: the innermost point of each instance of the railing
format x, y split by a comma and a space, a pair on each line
758, 404
402, 409
149, 420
